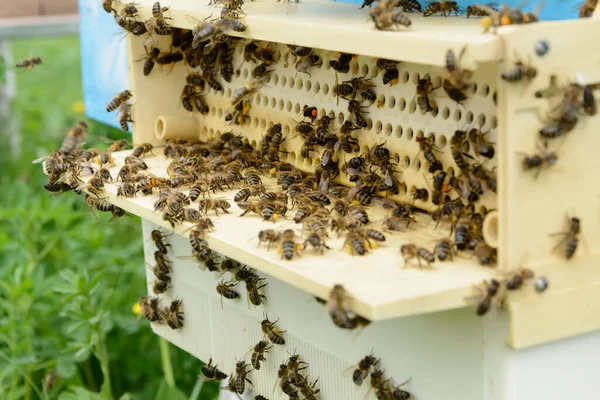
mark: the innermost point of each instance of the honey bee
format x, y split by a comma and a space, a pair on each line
475, 11
411, 251
506, 16
271, 331
212, 373
444, 7
518, 278
444, 250
169, 58
240, 377
121, 98
587, 8
126, 189
539, 161
158, 22
338, 309
206, 205
410, 5
58, 187
252, 287
246, 91
384, 15
306, 62
481, 146
258, 353
485, 254
520, 71
74, 138
142, 150
29, 63
287, 244
342, 64
363, 368
150, 308
225, 291
356, 110
391, 76
172, 315
124, 116
308, 391
424, 100
107, 6
485, 296
570, 237
268, 235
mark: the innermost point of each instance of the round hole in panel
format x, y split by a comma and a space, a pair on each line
340, 118
212, 111
442, 141
398, 131
485, 90
286, 129
219, 112
291, 156
228, 92
364, 70
307, 85
316, 161
211, 133
493, 122
369, 124
412, 106
354, 68
405, 76
381, 101
388, 129
457, 115
402, 187
418, 164
378, 127
283, 80
275, 78
253, 143
299, 84
297, 108
415, 77
204, 130
406, 160
469, 117
481, 120
420, 134
273, 102
434, 112
402, 103
291, 82
280, 104
263, 124
316, 87
431, 137
365, 150
288, 106
325, 88
412, 189
245, 73
445, 112
392, 102
255, 122
257, 100
409, 133
326, 64
322, 112
265, 101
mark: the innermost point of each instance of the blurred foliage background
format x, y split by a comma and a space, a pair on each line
67, 280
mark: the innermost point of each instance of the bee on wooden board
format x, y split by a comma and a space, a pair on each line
150, 308
385, 16
268, 235
258, 353
288, 247
362, 370
444, 250
150, 60
424, 100
475, 11
29, 63
538, 161
225, 290
252, 287
212, 373
570, 239
411, 251
306, 62
339, 310
246, 91
271, 331
444, 7
506, 16
342, 63
481, 147
486, 295
172, 314
521, 71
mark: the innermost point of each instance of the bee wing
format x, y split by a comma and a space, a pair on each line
486, 8
324, 185
352, 192
192, 21
39, 160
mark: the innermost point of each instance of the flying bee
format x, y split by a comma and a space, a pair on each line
339, 310
342, 64
29, 63
486, 295
271, 331
258, 353
570, 237
444, 250
444, 7
124, 116
424, 100
225, 290
212, 373
385, 16
411, 251
458, 77
454, 93
205, 205
119, 99
520, 72
172, 315
74, 138
246, 91
481, 146
306, 62
287, 244
363, 368
539, 161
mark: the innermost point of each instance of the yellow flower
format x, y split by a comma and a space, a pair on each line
79, 107
136, 308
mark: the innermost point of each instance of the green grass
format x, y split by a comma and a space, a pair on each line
67, 280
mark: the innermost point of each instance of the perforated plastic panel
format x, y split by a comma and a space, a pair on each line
394, 119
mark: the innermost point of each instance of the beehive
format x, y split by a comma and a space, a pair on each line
528, 209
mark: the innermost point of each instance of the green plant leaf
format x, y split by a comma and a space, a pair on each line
82, 354
126, 396
78, 393
65, 367
166, 392
105, 393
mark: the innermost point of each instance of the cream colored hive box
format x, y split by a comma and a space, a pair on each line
423, 327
